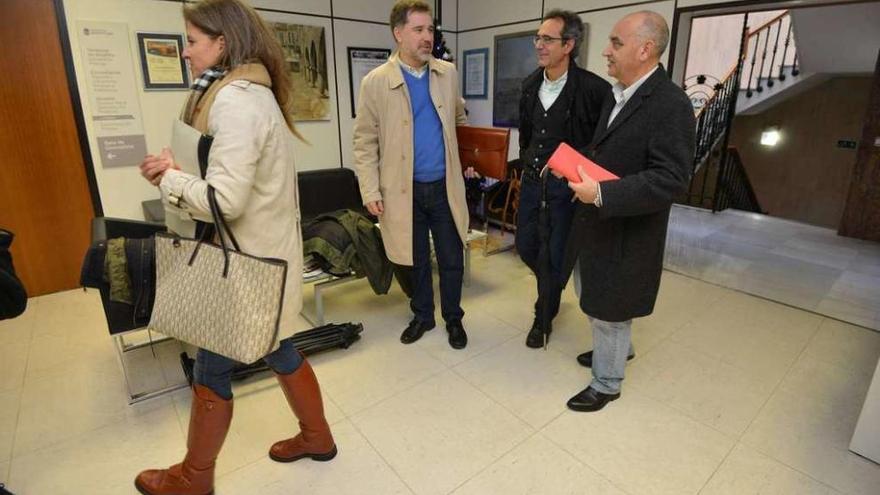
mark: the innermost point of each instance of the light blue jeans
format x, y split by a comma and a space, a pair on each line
612, 343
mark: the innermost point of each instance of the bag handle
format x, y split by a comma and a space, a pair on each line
219, 219
223, 233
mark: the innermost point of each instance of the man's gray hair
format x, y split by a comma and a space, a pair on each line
653, 28
572, 28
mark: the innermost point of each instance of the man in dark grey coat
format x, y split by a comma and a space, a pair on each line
645, 136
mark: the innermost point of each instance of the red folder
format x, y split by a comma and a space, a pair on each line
566, 160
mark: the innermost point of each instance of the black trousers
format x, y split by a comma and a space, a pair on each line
528, 241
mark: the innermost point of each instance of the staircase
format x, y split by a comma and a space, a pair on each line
791, 52
767, 67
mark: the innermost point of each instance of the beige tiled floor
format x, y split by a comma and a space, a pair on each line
793, 263
728, 394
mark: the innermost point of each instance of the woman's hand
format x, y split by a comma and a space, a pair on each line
153, 167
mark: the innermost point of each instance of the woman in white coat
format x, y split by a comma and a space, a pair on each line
241, 98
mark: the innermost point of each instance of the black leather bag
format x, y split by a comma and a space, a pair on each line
13, 296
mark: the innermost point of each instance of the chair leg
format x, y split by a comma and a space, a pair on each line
485, 223
506, 205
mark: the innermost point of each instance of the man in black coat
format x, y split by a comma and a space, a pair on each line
560, 102
645, 136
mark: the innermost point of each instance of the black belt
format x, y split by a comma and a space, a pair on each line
532, 173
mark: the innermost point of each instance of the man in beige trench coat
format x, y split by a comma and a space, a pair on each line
406, 157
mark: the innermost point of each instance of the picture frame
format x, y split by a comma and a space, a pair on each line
162, 63
514, 61
361, 61
306, 61
475, 74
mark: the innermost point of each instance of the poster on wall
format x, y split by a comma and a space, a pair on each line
514, 60
305, 53
115, 110
360, 62
475, 77
162, 61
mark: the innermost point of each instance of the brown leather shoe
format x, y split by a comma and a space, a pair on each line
208, 423
314, 439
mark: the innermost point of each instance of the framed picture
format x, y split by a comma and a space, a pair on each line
360, 62
475, 79
162, 61
514, 60
305, 53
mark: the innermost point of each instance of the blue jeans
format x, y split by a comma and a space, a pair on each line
528, 241
611, 345
431, 213
215, 371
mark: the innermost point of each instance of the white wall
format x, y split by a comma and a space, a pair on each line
840, 39
122, 189
319, 7
329, 142
355, 23
359, 35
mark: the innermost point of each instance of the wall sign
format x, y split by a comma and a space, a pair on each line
112, 92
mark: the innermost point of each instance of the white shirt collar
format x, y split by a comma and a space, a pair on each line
558, 83
417, 73
622, 94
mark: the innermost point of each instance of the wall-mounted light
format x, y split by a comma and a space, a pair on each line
771, 136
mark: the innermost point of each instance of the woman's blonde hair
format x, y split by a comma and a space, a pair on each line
248, 39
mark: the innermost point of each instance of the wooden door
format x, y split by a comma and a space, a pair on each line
44, 193
861, 217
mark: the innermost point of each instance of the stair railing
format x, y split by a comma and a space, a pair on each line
715, 100
733, 188
768, 74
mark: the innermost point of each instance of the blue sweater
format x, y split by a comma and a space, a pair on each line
429, 160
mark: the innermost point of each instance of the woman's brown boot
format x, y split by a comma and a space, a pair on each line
314, 440
208, 423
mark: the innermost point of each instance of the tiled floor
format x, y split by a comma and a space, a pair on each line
797, 264
728, 394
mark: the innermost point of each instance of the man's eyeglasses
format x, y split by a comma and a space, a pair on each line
545, 40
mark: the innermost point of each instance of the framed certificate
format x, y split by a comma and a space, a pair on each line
162, 61
476, 67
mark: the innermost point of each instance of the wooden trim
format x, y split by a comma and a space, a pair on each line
76, 103
755, 32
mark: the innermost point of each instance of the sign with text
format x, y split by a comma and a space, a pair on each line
112, 92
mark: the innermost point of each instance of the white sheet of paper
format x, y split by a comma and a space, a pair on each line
185, 146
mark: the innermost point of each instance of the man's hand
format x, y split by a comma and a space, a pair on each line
376, 208
587, 189
470, 173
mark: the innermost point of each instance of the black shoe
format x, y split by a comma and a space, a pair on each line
457, 335
415, 330
586, 359
588, 400
535, 339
